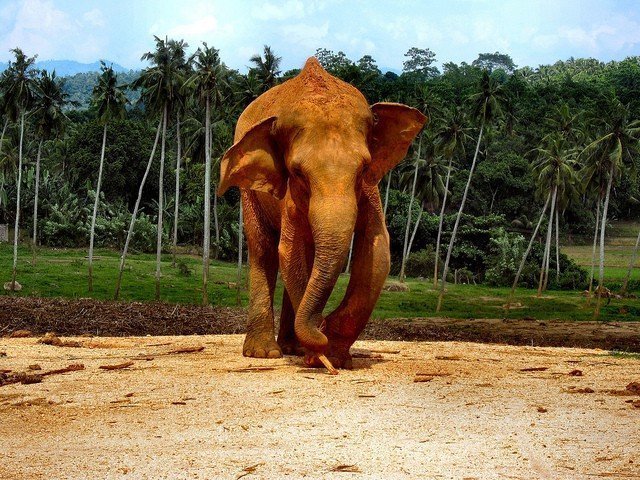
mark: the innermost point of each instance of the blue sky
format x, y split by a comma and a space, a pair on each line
532, 32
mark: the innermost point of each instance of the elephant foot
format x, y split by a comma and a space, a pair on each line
261, 345
291, 346
339, 358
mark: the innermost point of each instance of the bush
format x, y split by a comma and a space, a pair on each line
506, 250
420, 264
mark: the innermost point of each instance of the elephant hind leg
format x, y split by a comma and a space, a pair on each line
262, 242
286, 335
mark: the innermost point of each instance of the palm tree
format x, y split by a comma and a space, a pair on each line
411, 197
109, 101
617, 144
134, 214
50, 119
266, 69
526, 252
450, 140
19, 80
594, 185
160, 85
3, 112
487, 104
555, 169
184, 66
207, 81
427, 186
429, 190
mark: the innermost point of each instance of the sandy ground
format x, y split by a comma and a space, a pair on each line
215, 414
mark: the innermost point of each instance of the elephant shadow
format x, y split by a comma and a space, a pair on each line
363, 359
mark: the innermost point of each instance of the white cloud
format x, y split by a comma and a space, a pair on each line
94, 18
199, 27
38, 27
287, 9
310, 36
614, 35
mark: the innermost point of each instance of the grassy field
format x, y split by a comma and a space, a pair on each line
63, 272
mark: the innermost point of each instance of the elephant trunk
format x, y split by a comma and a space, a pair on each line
332, 222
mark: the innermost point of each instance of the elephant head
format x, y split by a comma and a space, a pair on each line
325, 145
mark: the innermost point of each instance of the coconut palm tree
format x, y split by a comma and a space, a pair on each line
429, 190
450, 141
18, 85
555, 170
616, 145
48, 111
109, 101
206, 82
416, 165
160, 84
3, 113
183, 65
427, 186
487, 104
266, 68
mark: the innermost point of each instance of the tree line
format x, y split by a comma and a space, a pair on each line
502, 143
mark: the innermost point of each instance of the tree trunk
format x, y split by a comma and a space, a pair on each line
408, 228
493, 199
593, 252
444, 203
206, 241
603, 227
34, 240
413, 234
528, 250
544, 269
557, 245
4, 129
135, 213
240, 241
445, 270
177, 196
216, 226
160, 202
386, 195
95, 208
631, 265
16, 230
346, 270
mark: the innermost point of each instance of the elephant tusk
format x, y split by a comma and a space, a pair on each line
325, 361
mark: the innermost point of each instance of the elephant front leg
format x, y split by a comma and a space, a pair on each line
370, 267
262, 243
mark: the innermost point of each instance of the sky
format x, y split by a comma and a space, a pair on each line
532, 32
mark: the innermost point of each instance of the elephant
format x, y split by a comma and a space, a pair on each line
308, 155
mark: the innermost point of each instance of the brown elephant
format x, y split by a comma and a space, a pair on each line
308, 156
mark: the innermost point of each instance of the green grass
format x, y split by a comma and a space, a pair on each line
627, 355
63, 273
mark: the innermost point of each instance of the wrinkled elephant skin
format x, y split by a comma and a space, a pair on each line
307, 156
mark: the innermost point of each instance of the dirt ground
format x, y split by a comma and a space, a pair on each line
408, 410
108, 318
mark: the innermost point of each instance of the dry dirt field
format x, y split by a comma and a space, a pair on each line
408, 410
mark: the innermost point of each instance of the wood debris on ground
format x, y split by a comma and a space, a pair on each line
118, 366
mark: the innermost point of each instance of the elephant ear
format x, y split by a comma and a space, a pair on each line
394, 128
255, 162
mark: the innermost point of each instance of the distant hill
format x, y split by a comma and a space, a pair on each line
66, 68
80, 86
